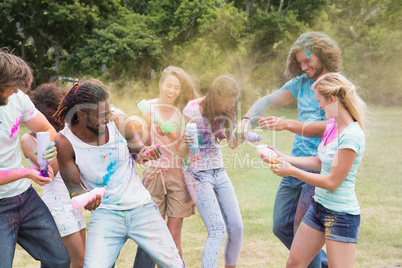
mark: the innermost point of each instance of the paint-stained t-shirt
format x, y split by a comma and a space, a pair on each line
109, 165
209, 153
18, 109
308, 111
344, 198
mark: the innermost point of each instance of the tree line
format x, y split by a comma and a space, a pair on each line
132, 40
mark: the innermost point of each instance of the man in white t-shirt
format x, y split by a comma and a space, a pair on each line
24, 218
97, 152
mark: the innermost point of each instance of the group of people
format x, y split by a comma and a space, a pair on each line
97, 146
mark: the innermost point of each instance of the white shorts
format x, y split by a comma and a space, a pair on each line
67, 219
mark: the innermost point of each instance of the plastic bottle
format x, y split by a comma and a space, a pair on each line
267, 152
43, 141
145, 108
191, 129
82, 200
248, 136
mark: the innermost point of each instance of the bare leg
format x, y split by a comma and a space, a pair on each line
306, 244
340, 254
175, 225
75, 244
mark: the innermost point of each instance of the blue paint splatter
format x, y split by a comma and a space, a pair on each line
308, 53
110, 170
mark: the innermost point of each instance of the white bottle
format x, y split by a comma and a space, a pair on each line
145, 108
82, 200
267, 152
191, 129
248, 136
42, 142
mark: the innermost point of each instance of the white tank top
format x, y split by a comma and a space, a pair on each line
109, 165
55, 192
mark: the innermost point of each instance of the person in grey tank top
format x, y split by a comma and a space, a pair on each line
98, 150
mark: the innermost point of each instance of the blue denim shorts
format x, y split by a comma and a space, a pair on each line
337, 226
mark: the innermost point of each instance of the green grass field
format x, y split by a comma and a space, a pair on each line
378, 190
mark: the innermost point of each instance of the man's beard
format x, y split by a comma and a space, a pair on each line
317, 73
95, 131
3, 102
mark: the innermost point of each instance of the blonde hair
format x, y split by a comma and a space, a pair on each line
335, 84
188, 89
14, 71
325, 48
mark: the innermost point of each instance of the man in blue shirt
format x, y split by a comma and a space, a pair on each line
312, 55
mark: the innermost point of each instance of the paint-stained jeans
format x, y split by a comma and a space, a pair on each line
337, 226
215, 198
108, 230
293, 198
26, 220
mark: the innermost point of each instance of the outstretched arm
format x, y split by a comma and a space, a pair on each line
7, 176
341, 165
126, 127
307, 129
279, 98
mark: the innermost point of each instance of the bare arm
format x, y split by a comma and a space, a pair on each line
40, 124
307, 129
7, 176
68, 168
274, 100
29, 147
143, 153
341, 165
309, 163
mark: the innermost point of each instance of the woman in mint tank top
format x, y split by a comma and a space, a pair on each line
334, 216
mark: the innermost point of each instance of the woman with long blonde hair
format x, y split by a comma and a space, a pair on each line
334, 216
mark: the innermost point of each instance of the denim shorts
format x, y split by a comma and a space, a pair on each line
337, 226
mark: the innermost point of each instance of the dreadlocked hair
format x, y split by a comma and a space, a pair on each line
46, 99
222, 87
88, 91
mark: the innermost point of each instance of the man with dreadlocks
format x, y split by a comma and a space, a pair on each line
96, 152
311, 56
24, 217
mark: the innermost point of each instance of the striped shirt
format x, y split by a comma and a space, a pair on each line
344, 198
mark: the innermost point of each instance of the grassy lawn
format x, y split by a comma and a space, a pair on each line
378, 190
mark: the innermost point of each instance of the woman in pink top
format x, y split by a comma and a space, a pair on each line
163, 178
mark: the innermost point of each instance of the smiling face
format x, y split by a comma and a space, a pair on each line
6, 93
310, 65
329, 105
97, 119
171, 89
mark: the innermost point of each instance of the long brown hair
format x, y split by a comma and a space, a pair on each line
188, 90
222, 87
325, 48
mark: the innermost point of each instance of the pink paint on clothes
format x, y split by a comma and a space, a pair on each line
331, 132
16, 127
